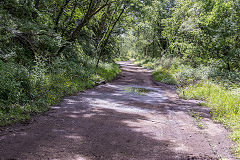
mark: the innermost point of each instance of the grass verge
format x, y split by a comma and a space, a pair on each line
32, 94
224, 104
219, 90
164, 76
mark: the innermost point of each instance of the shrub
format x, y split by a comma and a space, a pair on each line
15, 85
29, 91
148, 66
224, 104
163, 75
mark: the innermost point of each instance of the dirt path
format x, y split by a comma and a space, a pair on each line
119, 121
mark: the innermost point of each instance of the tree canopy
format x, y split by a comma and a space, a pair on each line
48, 47
200, 32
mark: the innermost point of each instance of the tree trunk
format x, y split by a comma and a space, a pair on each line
87, 18
110, 32
36, 5
60, 14
108, 36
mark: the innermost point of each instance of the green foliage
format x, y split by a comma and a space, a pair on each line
223, 102
49, 49
198, 119
163, 75
30, 91
107, 71
148, 66
225, 105
139, 91
122, 58
194, 44
15, 82
218, 88
197, 32
173, 71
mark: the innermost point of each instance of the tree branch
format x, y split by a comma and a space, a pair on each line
86, 19
60, 14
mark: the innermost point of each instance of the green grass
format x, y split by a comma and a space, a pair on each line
224, 104
219, 91
164, 76
121, 59
139, 91
108, 71
140, 62
198, 119
46, 90
148, 66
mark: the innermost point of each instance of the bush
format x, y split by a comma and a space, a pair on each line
15, 85
148, 66
163, 75
224, 104
29, 91
218, 87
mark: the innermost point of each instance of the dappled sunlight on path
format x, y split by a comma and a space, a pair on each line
111, 121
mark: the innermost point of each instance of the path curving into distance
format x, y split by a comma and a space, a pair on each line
131, 118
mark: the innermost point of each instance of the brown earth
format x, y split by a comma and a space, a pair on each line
111, 122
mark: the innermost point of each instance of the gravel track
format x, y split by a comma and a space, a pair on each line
109, 122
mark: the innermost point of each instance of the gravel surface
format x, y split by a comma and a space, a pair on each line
113, 122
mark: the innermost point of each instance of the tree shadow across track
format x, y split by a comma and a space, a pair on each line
110, 122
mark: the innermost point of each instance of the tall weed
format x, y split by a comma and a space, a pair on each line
218, 87
28, 91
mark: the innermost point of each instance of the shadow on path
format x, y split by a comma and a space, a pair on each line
108, 123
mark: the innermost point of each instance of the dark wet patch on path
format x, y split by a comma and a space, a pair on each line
131, 118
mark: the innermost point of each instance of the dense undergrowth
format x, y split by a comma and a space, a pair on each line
28, 92
217, 87
50, 49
